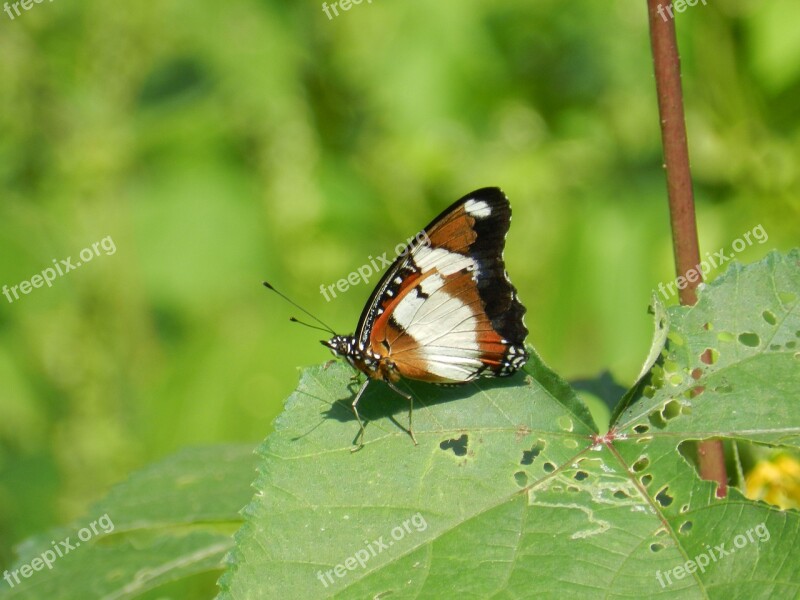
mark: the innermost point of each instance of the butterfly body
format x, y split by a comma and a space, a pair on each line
362, 358
445, 312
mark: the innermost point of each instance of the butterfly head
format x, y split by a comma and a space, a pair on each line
341, 345
347, 347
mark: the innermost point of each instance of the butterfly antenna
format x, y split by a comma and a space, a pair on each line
297, 306
293, 320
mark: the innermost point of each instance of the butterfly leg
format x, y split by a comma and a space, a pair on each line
410, 408
359, 442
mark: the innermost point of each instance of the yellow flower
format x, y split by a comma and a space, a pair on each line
776, 481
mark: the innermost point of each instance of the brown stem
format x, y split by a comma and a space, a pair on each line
679, 190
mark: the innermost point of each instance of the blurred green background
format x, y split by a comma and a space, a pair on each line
219, 144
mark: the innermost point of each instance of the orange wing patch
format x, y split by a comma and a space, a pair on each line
441, 350
455, 233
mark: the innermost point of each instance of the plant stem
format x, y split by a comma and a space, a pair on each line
679, 190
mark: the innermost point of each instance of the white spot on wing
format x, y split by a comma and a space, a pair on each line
478, 208
455, 372
405, 312
444, 329
447, 263
431, 284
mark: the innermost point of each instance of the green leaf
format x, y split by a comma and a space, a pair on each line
512, 493
171, 521
748, 323
318, 501
661, 329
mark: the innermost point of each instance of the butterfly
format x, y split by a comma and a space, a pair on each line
445, 312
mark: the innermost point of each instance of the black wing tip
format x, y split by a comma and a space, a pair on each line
491, 194
499, 296
499, 207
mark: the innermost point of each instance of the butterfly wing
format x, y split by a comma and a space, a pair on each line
445, 311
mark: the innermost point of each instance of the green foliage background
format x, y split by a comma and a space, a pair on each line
222, 143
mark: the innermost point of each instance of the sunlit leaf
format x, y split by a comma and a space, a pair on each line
171, 521
511, 491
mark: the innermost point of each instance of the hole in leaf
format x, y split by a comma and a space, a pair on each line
621, 494
528, 456
549, 467
797, 354
749, 339
458, 446
580, 475
521, 478
671, 410
769, 317
685, 508
787, 297
685, 527
572, 488
663, 498
656, 547
791, 345
641, 428
641, 464
774, 347
657, 420
724, 336
709, 356
708, 327
646, 479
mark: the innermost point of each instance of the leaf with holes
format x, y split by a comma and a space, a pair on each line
513, 493
388, 505
731, 364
